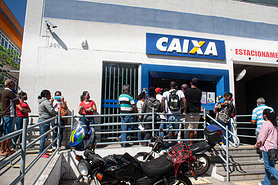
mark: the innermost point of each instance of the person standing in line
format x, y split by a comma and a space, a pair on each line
225, 109
141, 99
159, 95
193, 97
174, 98
46, 111
21, 115
87, 107
127, 106
257, 118
60, 104
151, 103
267, 140
9, 102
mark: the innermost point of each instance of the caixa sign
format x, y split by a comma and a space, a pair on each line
158, 44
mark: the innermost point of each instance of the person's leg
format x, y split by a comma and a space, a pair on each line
10, 127
54, 133
223, 130
176, 125
5, 132
18, 126
267, 177
169, 126
62, 124
161, 127
196, 118
43, 129
258, 150
124, 128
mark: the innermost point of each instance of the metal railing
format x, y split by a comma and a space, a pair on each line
103, 139
22, 152
245, 125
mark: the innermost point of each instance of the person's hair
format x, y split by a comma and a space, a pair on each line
227, 94
58, 92
271, 116
21, 94
173, 84
218, 98
82, 97
152, 92
261, 100
8, 82
141, 95
125, 87
194, 81
44, 93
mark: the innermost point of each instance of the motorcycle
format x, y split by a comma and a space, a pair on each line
213, 135
168, 169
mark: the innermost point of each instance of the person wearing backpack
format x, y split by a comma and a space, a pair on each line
193, 97
174, 99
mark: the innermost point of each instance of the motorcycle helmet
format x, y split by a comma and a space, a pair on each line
82, 137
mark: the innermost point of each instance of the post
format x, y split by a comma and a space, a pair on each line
71, 123
227, 154
152, 121
204, 110
23, 150
59, 129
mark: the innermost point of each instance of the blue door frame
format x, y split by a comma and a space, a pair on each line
221, 77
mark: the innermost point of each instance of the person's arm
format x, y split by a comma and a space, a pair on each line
163, 104
50, 108
20, 108
80, 109
263, 134
184, 105
28, 108
254, 118
64, 103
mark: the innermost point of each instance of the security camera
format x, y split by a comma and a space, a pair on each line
49, 24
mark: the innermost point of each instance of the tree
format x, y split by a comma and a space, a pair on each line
8, 57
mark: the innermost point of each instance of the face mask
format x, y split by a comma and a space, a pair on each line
57, 97
88, 96
25, 98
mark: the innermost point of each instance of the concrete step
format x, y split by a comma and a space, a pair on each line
244, 175
243, 166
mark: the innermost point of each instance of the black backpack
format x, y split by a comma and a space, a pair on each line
174, 102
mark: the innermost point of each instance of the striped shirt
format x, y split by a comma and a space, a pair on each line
126, 101
257, 115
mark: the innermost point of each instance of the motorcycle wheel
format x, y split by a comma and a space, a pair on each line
141, 156
79, 183
181, 180
202, 164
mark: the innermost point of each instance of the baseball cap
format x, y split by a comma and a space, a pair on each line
158, 89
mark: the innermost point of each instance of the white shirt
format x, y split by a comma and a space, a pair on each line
166, 96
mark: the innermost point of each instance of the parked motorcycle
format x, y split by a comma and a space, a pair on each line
213, 135
125, 169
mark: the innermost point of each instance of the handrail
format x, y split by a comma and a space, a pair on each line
231, 133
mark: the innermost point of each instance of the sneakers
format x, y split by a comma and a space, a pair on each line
259, 183
260, 160
45, 155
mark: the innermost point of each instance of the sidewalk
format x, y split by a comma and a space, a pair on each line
211, 180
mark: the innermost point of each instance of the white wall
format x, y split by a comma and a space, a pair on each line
71, 69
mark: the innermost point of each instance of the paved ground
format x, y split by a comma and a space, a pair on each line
10, 172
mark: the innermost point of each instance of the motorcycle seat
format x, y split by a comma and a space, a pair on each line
199, 147
158, 166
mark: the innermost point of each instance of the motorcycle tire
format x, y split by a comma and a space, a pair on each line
80, 183
180, 180
141, 156
202, 164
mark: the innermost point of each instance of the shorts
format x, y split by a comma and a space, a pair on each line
192, 118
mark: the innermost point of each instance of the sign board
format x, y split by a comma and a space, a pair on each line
159, 44
255, 55
210, 97
204, 97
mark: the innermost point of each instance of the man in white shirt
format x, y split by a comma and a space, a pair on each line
174, 99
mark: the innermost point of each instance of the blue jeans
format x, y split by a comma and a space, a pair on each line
44, 128
269, 169
224, 131
126, 119
173, 118
161, 126
18, 126
8, 126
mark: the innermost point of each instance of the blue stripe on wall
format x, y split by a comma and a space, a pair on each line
109, 13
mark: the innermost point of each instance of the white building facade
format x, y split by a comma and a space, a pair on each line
100, 45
